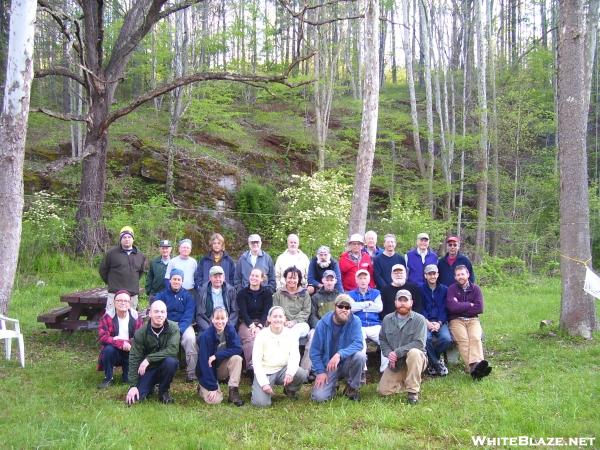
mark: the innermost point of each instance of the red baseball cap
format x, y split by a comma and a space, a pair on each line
453, 239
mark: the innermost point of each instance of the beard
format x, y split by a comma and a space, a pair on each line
400, 281
323, 264
403, 310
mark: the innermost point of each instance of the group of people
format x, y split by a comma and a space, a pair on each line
256, 314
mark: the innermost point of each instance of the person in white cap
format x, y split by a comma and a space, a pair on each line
292, 257
353, 260
418, 258
216, 294
253, 258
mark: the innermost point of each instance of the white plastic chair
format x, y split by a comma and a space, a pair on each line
9, 335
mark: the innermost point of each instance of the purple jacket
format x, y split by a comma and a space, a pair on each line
416, 266
461, 307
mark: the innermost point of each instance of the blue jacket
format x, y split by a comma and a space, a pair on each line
315, 273
204, 265
208, 343
181, 306
434, 303
416, 267
243, 268
382, 268
349, 343
369, 316
447, 271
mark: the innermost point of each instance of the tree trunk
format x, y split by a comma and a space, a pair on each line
382, 39
426, 61
393, 44
13, 131
495, 178
368, 131
578, 312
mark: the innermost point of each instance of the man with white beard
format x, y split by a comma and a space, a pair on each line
318, 265
388, 294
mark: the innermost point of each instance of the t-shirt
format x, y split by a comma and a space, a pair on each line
335, 334
123, 328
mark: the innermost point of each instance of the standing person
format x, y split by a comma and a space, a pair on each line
215, 294
155, 279
219, 351
216, 256
153, 356
185, 263
418, 258
464, 301
121, 269
388, 295
453, 258
402, 339
337, 353
295, 301
181, 308
382, 265
318, 265
115, 332
276, 359
434, 310
254, 303
292, 257
354, 260
255, 257
371, 245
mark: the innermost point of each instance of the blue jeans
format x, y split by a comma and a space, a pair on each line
350, 368
111, 357
437, 343
161, 375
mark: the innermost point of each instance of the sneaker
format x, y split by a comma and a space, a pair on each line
480, 370
292, 395
352, 394
234, 396
442, 369
311, 377
413, 398
363, 378
191, 379
432, 371
166, 398
105, 383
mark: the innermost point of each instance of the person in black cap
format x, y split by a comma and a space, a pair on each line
155, 280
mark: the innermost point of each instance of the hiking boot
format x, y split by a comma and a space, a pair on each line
191, 380
105, 383
442, 369
413, 398
292, 395
166, 398
311, 377
480, 370
352, 394
363, 377
432, 370
234, 396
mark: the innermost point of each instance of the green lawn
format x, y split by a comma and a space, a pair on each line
543, 385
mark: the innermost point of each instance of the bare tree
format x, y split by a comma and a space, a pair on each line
578, 311
13, 131
368, 129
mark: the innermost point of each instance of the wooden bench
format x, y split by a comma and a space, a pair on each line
84, 310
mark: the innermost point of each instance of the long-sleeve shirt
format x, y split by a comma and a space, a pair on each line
296, 306
244, 266
272, 352
461, 307
315, 273
181, 306
382, 268
367, 306
254, 305
187, 266
285, 260
434, 303
399, 336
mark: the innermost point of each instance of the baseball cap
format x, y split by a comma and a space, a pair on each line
430, 268
214, 270
403, 293
329, 273
164, 243
356, 237
422, 236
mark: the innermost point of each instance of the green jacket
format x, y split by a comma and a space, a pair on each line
155, 279
147, 346
297, 306
398, 338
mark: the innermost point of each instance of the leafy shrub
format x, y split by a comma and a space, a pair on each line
316, 208
258, 204
496, 271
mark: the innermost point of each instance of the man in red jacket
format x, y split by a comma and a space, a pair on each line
354, 260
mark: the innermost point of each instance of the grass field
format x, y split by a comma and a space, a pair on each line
543, 385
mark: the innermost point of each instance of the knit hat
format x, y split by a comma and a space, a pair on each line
176, 272
126, 230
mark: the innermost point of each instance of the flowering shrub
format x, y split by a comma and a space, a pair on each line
316, 208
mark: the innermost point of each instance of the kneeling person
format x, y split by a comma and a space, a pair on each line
219, 357
276, 360
153, 356
402, 339
336, 351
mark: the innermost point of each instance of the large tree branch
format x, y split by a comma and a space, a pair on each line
62, 20
300, 15
61, 116
60, 71
178, 7
254, 80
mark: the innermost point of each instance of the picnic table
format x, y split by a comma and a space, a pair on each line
84, 310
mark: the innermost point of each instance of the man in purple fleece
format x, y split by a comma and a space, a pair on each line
464, 302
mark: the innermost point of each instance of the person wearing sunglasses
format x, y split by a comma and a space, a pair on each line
337, 352
453, 258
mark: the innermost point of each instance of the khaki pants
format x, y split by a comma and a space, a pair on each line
467, 335
230, 367
110, 302
407, 379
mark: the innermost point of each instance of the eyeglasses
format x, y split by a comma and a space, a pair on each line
452, 244
346, 307
121, 301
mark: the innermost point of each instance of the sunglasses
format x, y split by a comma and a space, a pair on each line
346, 307
452, 244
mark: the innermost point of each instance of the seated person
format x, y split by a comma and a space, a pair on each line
153, 356
403, 336
317, 267
215, 293
295, 301
388, 295
367, 306
219, 351
254, 303
276, 360
337, 352
434, 310
115, 333
181, 309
